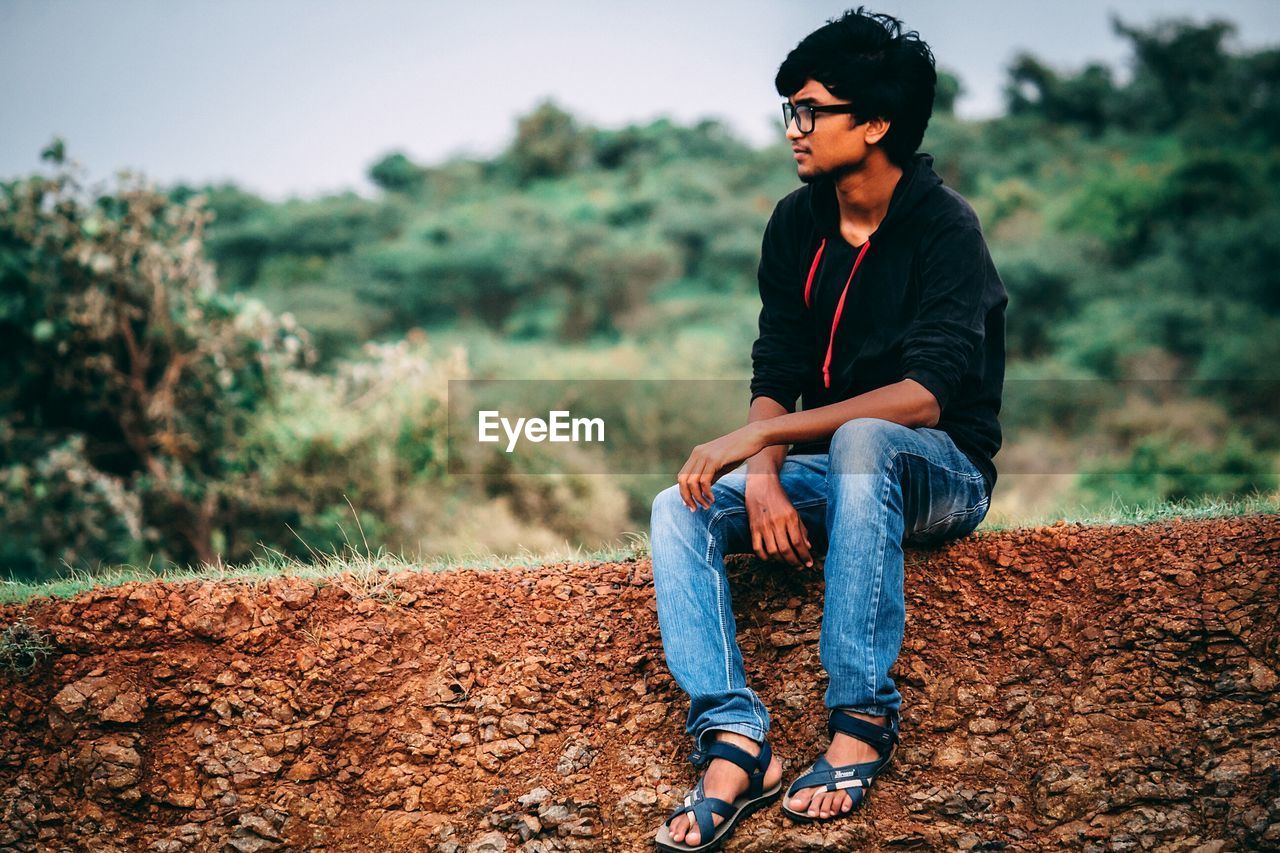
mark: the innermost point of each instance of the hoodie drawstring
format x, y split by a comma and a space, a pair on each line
813, 268
835, 321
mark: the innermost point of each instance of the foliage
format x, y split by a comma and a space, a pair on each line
23, 647
126, 378
1169, 470
359, 456
397, 173
145, 415
548, 144
1184, 78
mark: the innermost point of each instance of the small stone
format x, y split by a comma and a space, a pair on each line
534, 797
490, 842
554, 814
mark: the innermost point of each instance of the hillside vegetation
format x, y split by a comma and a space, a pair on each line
195, 375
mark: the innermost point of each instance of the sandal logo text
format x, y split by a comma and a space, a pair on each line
558, 427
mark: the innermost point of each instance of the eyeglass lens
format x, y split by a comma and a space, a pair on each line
801, 114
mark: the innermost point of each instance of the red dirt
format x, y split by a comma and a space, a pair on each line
1064, 687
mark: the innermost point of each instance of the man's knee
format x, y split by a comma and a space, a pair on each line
665, 506
866, 445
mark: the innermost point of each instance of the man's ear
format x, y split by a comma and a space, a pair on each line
876, 130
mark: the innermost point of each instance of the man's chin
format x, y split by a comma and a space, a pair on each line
811, 175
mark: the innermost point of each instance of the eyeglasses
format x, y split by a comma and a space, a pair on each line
805, 115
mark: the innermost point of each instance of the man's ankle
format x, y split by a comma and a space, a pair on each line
870, 718
879, 721
740, 741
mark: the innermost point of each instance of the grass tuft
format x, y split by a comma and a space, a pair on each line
363, 574
1117, 512
366, 574
23, 647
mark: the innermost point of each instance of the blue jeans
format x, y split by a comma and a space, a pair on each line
879, 483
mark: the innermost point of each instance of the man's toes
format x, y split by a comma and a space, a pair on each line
800, 802
692, 838
843, 803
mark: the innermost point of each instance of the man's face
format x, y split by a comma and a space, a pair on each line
836, 146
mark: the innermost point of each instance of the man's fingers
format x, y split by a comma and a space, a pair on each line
684, 491
775, 540
705, 481
690, 485
784, 547
688, 491
702, 487
770, 544
757, 543
800, 539
682, 478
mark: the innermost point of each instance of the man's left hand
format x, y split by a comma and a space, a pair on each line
709, 462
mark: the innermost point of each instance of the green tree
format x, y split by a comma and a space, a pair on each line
548, 144
126, 377
397, 173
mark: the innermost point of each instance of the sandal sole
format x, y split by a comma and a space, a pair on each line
800, 817
725, 829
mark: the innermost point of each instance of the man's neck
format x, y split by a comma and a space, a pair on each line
864, 195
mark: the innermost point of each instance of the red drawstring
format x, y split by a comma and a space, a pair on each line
835, 321
808, 285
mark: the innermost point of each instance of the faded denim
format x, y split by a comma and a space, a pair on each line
880, 483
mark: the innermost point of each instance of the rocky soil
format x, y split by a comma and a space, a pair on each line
1064, 687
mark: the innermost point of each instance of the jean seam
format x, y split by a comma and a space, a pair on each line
879, 582
972, 477
981, 506
731, 727
722, 583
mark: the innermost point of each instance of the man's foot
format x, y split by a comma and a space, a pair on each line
820, 803
726, 781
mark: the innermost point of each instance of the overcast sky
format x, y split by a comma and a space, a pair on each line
299, 97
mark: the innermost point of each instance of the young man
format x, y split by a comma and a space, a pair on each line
883, 312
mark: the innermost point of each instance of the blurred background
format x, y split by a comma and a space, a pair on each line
244, 247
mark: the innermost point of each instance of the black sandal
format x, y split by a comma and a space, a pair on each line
855, 779
704, 808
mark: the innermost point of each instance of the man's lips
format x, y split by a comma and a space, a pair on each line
799, 152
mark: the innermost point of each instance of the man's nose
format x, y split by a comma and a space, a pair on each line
793, 132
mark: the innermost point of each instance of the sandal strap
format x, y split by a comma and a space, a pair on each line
822, 774
753, 765
729, 752
704, 809
881, 738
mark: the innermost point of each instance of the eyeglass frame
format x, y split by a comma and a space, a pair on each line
791, 113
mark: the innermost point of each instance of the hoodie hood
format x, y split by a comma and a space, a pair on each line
917, 181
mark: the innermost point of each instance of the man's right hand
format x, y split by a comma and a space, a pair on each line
776, 530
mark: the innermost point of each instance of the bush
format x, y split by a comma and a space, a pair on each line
127, 377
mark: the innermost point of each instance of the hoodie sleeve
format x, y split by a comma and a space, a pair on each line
950, 323
778, 357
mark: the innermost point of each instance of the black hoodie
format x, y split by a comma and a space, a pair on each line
923, 302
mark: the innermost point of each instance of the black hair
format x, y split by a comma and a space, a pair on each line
868, 60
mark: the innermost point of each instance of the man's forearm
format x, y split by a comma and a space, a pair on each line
769, 460
907, 402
